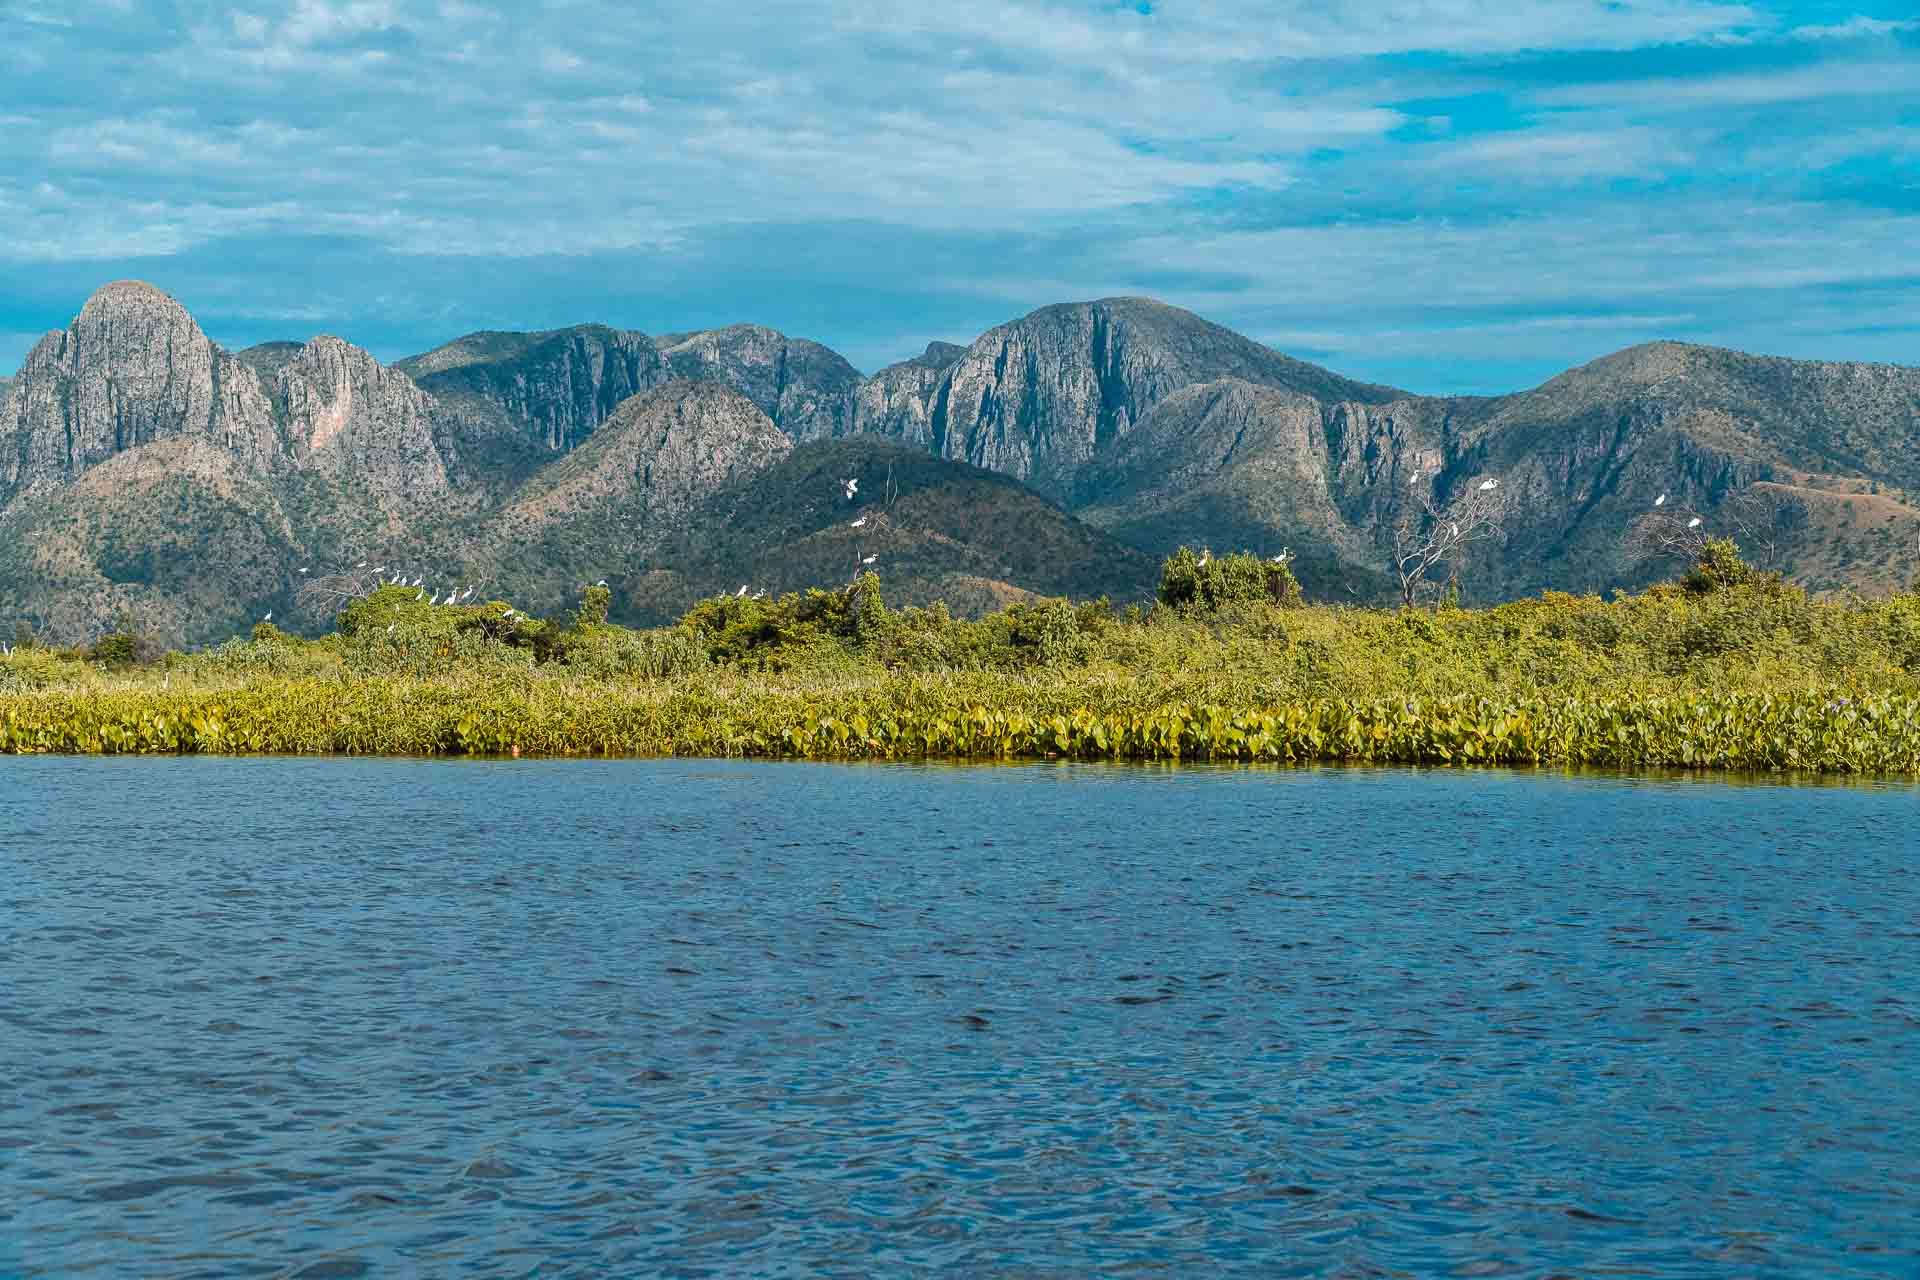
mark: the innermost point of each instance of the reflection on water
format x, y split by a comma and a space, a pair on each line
339, 1018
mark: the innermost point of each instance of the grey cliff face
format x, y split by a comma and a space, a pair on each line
1045, 396
805, 388
132, 368
552, 389
902, 399
348, 416
660, 455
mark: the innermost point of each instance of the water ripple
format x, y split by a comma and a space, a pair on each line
339, 1018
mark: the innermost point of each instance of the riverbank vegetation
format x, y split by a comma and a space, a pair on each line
1727, 668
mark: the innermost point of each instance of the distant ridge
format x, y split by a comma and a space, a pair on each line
145, 470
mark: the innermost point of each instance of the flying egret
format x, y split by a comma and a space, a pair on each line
1694, 523
1488, 485
861, 523
1660, 501
852, 487
869, 559
1414, 478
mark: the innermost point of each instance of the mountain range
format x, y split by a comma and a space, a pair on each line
146, 472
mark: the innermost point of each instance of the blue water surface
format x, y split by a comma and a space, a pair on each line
374, 1017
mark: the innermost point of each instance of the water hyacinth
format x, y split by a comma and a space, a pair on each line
1754, 676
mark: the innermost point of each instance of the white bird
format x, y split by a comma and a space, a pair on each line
869, 559
269, 617
742, 591
420, 597
468, 595
852, 487
380, 568
361, 565
1205, 558
761, 592
389, 628
1414, 478
1456, 531
1694, 523
1488, 485
1660, 501
436, 598
861, 523
303, 568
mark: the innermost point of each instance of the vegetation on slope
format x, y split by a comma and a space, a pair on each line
1728, 669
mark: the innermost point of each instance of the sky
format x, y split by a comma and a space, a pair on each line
1452, 196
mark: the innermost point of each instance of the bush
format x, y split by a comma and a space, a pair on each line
1718, 568
118, 650
1206, 583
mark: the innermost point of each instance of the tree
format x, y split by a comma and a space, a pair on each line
1762, 515
1428, 534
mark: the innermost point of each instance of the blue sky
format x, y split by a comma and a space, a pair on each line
1449, 195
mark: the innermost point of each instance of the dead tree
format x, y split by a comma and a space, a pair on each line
1429, 535
1762, 516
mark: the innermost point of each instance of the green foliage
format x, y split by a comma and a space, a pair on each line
1207, 583
593, 607
124, 648
1752, 675
1720, 567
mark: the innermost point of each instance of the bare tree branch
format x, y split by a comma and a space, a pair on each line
1430, 535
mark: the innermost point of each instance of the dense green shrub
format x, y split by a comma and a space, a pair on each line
1207, 583
121, 649
1718, 568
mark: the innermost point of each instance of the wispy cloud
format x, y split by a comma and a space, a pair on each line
878, 170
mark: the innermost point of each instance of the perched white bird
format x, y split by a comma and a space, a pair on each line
1694, 523
436, 598
361, 565
416, 582
601, 583
869, 559
1486, 486
742, 591
303, 568
380, 568
1414, 478
761, 592
861, 523
1660, 501
1456, 531
420, 597
1208, 556
269, 617
468, 595
389, 628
